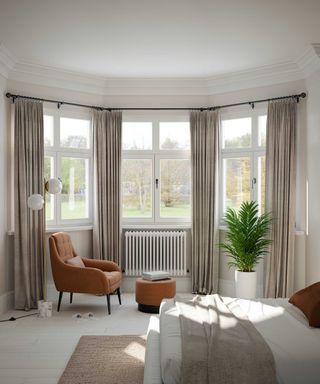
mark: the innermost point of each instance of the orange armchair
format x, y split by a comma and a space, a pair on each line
72, 273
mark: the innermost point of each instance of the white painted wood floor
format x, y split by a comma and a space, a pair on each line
36, 351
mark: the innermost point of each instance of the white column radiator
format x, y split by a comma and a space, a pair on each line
155, 250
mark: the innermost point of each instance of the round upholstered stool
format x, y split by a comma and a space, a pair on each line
149, 294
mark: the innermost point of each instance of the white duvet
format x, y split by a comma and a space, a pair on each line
295, 345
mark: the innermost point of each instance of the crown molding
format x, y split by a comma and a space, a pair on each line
32, 73
257, 77
7, 61
309, 61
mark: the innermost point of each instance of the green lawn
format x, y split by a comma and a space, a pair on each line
80, 209
78, 212
177, 211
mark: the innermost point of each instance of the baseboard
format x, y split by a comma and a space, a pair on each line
228, 288
6, 302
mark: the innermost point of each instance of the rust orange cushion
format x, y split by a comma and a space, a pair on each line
76, 262
308, 301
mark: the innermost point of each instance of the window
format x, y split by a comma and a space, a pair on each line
68, 143
156, 172
243, 140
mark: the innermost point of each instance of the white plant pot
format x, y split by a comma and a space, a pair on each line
246, 284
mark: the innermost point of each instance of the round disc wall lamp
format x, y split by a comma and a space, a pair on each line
52, 186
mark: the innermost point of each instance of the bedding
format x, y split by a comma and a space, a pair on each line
295, 345
221, 346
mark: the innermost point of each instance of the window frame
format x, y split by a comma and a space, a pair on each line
156, 154
253, 152
58, 152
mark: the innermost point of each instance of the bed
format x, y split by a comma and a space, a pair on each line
294, 345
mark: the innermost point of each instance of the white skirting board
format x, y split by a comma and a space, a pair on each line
6, 302
226, 287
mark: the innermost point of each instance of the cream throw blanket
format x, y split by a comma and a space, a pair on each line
219, 346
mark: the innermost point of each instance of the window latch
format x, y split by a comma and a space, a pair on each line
157, 183
253, 182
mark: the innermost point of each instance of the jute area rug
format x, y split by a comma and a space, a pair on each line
107, 360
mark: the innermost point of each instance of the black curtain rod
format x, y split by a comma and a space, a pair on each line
60, 103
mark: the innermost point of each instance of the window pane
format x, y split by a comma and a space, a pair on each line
175, 184
261, 182
262, 123
236, 174
48, 130
75, 188
175, 136
137, 188
137, 136
48, 174
74, 133
236, 133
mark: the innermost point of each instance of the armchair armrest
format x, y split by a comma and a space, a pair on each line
103, 265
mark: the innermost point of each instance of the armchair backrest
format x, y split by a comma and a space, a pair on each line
61, 246
61, 249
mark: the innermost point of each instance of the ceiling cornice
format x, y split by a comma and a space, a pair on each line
309, 61
245, 79
264, 76
7, 61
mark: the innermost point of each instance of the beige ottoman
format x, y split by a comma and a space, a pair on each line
149, 294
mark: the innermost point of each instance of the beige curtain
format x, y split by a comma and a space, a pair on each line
107, 167
29, 259
280, 196
204, 127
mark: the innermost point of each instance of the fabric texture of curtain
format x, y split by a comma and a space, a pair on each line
107, 132
29, 257
281, 196
204, 128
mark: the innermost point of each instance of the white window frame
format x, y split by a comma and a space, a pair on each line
57, 152
253, 152
156, 154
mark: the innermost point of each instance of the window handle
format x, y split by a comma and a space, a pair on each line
253, 182
157, 183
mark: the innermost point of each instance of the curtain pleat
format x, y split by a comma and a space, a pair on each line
107, 133
281, 196
29, 254
204, 129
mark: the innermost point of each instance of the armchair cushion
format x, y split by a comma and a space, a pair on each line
76, 262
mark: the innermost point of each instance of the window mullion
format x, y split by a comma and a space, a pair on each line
156, 188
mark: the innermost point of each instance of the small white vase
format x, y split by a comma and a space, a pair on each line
246, 284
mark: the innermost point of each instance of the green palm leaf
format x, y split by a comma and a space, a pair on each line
245, 239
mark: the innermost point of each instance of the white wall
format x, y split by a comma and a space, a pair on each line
83, 239
6, 265
313, 178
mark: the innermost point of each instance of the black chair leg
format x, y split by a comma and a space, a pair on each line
108, 303
71, 296
59, 302
119, 295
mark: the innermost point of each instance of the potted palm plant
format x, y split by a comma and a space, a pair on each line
246, 243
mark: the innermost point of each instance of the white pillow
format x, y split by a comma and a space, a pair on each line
170, 342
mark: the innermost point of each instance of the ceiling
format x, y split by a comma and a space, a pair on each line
152, 38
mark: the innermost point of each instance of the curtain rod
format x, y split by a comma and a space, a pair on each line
60, 103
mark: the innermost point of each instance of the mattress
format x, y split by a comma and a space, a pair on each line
295, 345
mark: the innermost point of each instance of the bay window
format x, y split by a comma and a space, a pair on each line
68, 147
242, 176
156, 171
